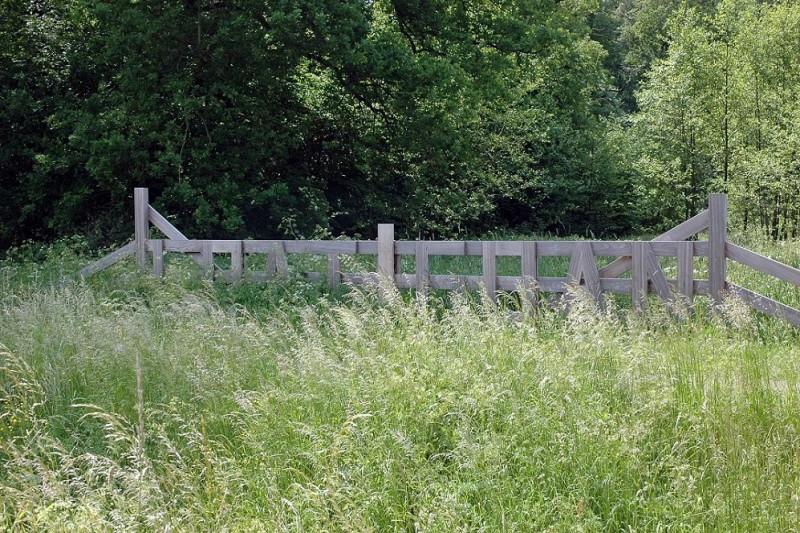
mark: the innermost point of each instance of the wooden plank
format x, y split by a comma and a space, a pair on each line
422, 268
656, 274
281, 263
554, 248
159, 221
639, 284
762, 263
334, 271
530, 271
108, 260
189, 247
141, 206
717, 237
766, 305
302, 247
590, 273
272, 260
582, 268
237, 261
686, 270
386, 250
367, 247
208, 258
490, 269
681, 232
158, 258
319, 247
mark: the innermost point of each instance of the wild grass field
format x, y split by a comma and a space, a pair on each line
134, 403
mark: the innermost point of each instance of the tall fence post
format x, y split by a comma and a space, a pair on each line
490, 269
639, 281
717, 235
141, 215
386, 251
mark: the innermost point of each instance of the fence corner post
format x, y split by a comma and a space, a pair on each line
717, 236
386, 251
141, 215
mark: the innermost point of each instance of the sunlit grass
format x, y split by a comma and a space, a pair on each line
284, 407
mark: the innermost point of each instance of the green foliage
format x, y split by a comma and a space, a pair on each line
268, 408
716, 115
267, 122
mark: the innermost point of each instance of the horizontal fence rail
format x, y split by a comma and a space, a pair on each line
263, 260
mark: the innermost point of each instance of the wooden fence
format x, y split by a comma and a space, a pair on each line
641, 258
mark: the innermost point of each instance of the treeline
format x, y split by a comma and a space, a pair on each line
293, 118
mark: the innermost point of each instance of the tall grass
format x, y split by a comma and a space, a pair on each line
132, 403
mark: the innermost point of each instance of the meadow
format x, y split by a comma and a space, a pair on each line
134, 403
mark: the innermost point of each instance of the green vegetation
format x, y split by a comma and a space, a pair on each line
135, 403
249, 118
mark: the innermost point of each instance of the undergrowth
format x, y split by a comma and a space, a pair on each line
284, 408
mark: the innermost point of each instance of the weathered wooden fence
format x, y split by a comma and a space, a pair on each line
641, 258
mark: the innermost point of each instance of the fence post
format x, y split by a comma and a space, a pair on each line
237, 261
141, 228
334, 271
208, 259
717, 235
639, 281
386, 251
686, 270
490, 268
158, 258
421, 267
530, 270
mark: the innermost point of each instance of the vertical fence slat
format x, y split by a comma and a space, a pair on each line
334, 270
272, 262
208, 258
490, 268
530, 270
281, 261
141, 215
686, 270
421, 267
158, 257
717, 235
638, 278
386, 250
237, 260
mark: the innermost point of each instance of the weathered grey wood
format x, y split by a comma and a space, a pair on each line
717, 237
422, 268
208, 258
490, 268
272, 261
141, 228
530, 271
276, 260
367, 247
656, 274
766, 305
639, 282
237, 261
686, 270
582, 268
681, 232
158, 258
188, 247
763, 264
108, 260
386, 250
334, 271
166, 227
302, 247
